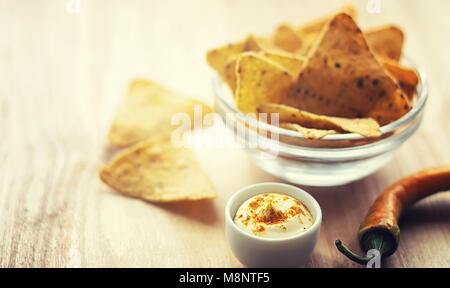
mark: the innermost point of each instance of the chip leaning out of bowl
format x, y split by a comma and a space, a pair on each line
322, 78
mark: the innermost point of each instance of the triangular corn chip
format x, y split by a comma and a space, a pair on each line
385, 41
405, 76
221, 59
366, 127
317, 25
286, 38
291, 63
259, 80
310, 32
147, 111
155, 171
310, 133
343, 78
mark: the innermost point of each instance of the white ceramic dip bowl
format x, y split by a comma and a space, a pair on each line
255, 251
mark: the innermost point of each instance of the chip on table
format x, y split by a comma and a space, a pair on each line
147, 110
155, 170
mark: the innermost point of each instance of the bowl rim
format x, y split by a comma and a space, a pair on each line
422, 97
313, 229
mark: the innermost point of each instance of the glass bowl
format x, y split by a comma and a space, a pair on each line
330, 161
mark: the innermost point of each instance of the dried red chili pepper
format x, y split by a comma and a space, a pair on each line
380, 229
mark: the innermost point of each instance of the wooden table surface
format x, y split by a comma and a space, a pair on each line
63, 75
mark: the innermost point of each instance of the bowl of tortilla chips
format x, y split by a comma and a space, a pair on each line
323, 104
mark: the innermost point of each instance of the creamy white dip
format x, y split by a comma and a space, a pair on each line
273, 215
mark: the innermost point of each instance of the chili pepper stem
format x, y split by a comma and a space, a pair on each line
350, 255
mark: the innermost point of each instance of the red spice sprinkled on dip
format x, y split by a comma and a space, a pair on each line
273, 215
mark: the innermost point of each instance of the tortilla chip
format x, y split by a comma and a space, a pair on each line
405, 76
386, 41
308, 43
366, 127
343, 78
223, 58
155, 171
259, 81
317, 25
310, 133
287, 38
230, 75
310, 32
291, 63
147, 111
267, 44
